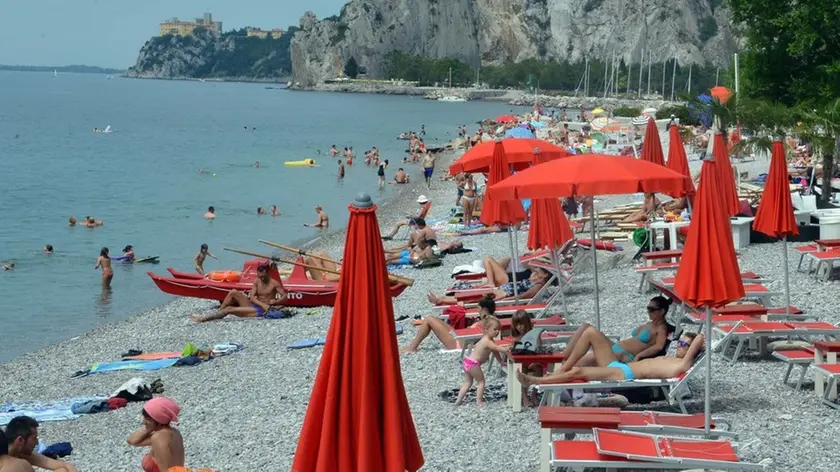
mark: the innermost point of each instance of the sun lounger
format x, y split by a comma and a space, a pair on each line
795, 357
627, 450
747, 312
570, 421
823, 258
761, 332
803, 251
825, 352
829, 373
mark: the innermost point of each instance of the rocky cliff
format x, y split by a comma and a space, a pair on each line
205, 55
496, 31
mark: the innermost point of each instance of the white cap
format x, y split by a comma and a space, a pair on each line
422, 199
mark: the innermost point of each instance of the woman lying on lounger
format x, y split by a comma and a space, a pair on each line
500, 272
433, 324
485, 230
526, 288
662, 367
647, 340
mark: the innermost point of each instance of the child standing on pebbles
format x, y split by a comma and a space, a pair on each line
490, 326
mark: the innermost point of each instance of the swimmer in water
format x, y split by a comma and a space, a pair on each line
9, 266
323, 219
257, 164
104, 261
48, 249
91, 222
274, 211
340, 170
203, 253
211, 213
128, 253
72, 221
333, 151
202, 171
260, 211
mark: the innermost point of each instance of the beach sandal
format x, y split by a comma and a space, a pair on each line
307, 343
131, 353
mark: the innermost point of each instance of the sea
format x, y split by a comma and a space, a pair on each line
143, 181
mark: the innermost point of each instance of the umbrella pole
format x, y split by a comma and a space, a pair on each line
560, 282
515, 258
787, 279
708, 402
513, 264
595, 270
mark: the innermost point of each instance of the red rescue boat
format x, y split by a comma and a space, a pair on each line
301, 291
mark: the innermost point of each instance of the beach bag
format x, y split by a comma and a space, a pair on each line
528, 344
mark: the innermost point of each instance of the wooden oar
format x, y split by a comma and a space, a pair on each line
278, 259
394, 278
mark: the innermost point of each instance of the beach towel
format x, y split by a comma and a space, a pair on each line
153, 356
128, 365
57, 410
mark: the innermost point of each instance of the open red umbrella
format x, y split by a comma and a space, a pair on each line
726, 181
519, 152
358, 417
775, 211
678, 162
505, 119
588, 175
721, 93
652, 147
709, 276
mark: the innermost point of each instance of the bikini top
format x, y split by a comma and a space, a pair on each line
148, 464
644, 336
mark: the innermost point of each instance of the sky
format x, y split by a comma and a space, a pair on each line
110, 33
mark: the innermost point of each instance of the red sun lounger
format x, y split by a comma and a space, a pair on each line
827, 258
626, 450
762, 331
795, 357
829, 372
803, 251
570, 421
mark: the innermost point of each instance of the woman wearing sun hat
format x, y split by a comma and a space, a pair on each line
425, 205
158, 433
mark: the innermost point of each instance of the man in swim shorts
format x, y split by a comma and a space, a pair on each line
21, 439
663, 367
400, 177
428, 167
419, 253
425, 205
266, 295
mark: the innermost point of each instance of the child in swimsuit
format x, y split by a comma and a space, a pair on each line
491, 327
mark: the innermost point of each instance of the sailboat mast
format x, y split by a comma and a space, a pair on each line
688, 87
673, 77
629, 74
641, 70
664, 66
450, 77
606, 71
650, 63
586, 79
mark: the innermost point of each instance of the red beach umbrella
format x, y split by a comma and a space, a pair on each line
721, 93
358, 417
519, 152
726, 181
775, 211
493, 210
588, 175
549, 227
505, 119
652, 149
709, 275
678, 161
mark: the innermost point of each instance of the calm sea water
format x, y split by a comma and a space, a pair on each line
142, 180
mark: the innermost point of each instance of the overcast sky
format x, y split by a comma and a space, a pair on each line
109, 33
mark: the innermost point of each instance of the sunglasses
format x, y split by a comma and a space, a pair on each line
682, 343
651, 309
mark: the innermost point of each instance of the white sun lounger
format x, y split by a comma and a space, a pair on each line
760, 332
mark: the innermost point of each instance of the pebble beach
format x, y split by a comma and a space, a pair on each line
243, 412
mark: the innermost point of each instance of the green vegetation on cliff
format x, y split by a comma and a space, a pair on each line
545, 75
204, 55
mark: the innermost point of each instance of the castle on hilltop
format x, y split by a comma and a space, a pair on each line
175, 27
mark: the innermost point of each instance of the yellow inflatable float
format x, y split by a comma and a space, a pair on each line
303, 163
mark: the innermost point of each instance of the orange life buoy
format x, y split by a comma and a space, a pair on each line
224, 275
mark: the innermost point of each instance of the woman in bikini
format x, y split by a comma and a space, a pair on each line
104, 261
157, 433
443, 331
468, 199
645, 341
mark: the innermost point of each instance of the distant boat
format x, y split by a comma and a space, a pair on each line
450, 98
55, 73
109, 77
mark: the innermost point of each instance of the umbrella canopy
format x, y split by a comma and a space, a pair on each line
708, 275
678, 161
549, 227
775, 211
598, 111
726, 181
494, 210
537, 124
721, 93
519, 153
519, 133
588, 175
505, 119
652, 148
358, 417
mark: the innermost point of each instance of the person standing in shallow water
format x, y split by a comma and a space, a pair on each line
104, 261
340, 171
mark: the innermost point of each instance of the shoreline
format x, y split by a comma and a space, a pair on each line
236, 80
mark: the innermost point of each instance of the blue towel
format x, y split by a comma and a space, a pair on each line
131, 365
58, 410
398, 266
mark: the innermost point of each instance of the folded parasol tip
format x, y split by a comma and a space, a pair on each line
362, 200
498, 139
537, 150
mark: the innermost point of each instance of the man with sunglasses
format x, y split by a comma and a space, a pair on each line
266, 294
663, 367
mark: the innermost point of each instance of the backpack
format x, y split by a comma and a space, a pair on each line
529, 343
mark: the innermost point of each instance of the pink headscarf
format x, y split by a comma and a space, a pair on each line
162, 410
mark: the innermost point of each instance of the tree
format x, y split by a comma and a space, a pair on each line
351, 68
767, 122
791, 49
821, 127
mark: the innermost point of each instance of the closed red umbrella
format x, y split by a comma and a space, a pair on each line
652, 147
494, 210
358, 417
588, 175
708, 276
519, 153
678, 161
726, 180
774, 216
